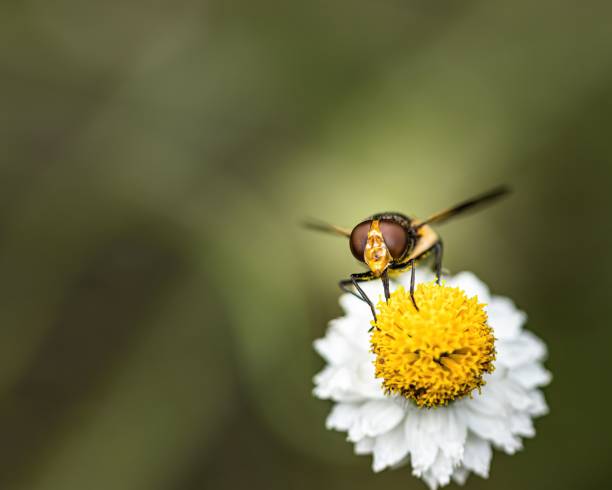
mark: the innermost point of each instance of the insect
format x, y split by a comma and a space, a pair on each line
390, 243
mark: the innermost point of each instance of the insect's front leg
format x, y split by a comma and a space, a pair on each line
385, 280
438, 249
354, 281
412, 281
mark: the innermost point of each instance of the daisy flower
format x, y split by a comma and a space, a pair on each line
438, 388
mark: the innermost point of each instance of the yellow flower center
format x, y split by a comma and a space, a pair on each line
434, 355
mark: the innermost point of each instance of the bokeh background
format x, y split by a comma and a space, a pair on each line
158, 300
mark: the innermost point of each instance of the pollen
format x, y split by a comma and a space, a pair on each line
434, 355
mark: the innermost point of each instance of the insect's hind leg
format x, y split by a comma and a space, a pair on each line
354, 281
438, 250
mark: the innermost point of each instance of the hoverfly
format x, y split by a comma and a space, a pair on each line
390, 243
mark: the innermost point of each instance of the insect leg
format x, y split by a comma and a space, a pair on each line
345, 285
412, 279
411, 264
364, 295
354, 281
438, 252
385, 281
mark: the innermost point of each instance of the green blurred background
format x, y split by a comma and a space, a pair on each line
158, 300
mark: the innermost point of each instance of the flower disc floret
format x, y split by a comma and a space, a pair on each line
435, 354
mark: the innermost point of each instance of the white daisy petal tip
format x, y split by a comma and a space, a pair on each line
393, 411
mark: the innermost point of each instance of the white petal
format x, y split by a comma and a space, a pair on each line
334, 382
439, 473
442, 469
521, 424
365, 445
514, 395
477, 455
376, 417
494, 429
342, 416
538, 406
531, 375
390, 448
471, 285
505, 319
334, 348
485, 402
364, 381
526, 348
423, 448
452, 434
348, 383
429, 479
460, 475
352, 331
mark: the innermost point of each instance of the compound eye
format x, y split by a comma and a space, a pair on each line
359, 237
395, 237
